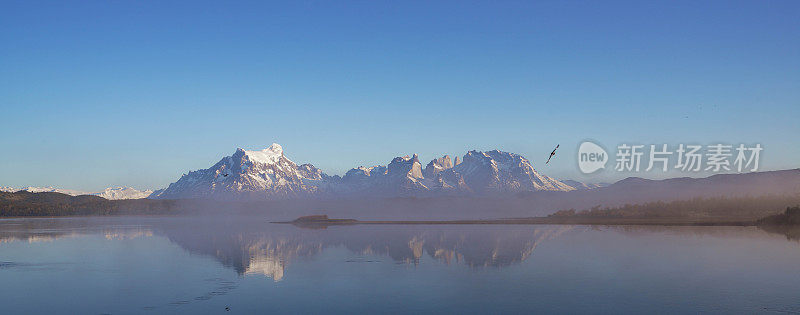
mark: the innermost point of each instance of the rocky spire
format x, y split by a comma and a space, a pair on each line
437, 165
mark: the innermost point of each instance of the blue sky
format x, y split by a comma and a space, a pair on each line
106, 93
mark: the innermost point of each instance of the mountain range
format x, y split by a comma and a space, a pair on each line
269, 174
111, 193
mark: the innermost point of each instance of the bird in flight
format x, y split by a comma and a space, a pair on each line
552, 154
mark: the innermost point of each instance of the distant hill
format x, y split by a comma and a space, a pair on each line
638, 190
23, 203
111, 193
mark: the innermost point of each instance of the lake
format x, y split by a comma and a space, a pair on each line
203, 265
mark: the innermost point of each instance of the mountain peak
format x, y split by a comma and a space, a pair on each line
115, 193
268, 173
405, 166
269, 155
437, 165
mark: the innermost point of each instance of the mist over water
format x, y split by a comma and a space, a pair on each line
776, 185
202, 264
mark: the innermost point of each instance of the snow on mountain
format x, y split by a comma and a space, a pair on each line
117, 193
360, 179
268, 174
249, 175
478, 172
402, 176
438, 165
7, 189
497, 171
112, 193
582, 186
31, 189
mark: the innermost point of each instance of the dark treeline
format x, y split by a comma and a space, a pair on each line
24, 203
786, 223
744, 208
789, 217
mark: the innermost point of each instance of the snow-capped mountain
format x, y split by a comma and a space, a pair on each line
402, 176
31, 189
111, 193
264, 174
498, 171
117, 193
269, 174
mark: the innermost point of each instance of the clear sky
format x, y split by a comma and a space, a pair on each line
136, 93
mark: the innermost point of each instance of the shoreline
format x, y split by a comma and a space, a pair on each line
320, 221
87, 216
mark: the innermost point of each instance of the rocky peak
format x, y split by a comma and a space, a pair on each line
405, 166
437, 165
498, 171
311, 172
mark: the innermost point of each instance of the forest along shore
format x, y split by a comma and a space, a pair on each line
790, 217
739, 211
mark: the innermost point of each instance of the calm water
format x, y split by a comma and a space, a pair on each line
203, 265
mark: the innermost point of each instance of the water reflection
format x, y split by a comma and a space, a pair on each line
792, 233
203, 265
255, 247
268, 249
35, 230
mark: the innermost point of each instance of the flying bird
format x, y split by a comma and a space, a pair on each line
552, 153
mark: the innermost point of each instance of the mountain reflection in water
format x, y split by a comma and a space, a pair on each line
194, 265
268, 249
252, 246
